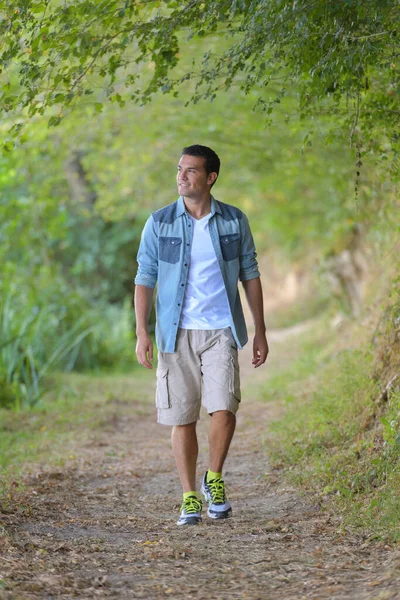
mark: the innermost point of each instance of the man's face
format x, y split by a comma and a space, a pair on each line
192, 178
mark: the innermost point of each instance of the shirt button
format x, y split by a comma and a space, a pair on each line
185, 264
182, 284
174, 323
187, 244
179, 303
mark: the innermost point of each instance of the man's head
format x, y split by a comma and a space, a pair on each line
198, 170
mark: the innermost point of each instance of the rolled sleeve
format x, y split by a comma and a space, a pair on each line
248, 254
147, 256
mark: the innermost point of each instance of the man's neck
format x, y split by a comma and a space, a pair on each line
198, 207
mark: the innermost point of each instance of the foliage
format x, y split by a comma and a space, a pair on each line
339, 435
46, 222
129, 157
55, 263
38, 338
24, 355
341, 56
299, 168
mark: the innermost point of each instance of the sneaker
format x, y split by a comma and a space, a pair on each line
214, 494
190, 511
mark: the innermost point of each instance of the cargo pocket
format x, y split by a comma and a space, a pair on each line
230, 245
170, 249
162, 391
236, 378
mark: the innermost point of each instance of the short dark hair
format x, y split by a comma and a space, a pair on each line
211, 158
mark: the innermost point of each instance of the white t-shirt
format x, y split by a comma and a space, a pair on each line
205, 304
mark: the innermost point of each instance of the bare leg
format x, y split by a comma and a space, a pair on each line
222, 427
185, 450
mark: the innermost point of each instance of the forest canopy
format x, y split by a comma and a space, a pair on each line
342, 57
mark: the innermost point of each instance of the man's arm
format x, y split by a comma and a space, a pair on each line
145, 282
249, 275
144, 346
253, 290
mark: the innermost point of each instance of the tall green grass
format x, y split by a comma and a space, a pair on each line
31, 345
335, 437
34, 340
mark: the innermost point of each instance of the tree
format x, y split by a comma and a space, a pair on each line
342, 56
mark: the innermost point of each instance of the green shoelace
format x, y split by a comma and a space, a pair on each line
191, 505
217, 488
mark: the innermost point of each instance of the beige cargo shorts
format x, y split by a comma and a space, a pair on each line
204, 368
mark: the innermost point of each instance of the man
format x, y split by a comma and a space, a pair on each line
197, 249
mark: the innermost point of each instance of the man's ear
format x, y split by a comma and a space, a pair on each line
212, 178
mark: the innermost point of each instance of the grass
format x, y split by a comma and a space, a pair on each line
72, 409
334, 437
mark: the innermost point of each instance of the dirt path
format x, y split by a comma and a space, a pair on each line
105, 526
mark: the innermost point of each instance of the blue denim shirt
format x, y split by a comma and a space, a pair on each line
164, 257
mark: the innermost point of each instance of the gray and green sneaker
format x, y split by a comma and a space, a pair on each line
214, 493
190, 511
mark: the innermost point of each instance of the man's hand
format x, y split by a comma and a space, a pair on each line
253, 290
144, 347
260, 350
144, 351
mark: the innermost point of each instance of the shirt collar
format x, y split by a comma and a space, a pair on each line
215, 207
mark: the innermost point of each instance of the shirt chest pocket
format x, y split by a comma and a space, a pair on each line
230, 245
169, 249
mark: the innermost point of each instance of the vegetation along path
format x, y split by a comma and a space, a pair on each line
103, 524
